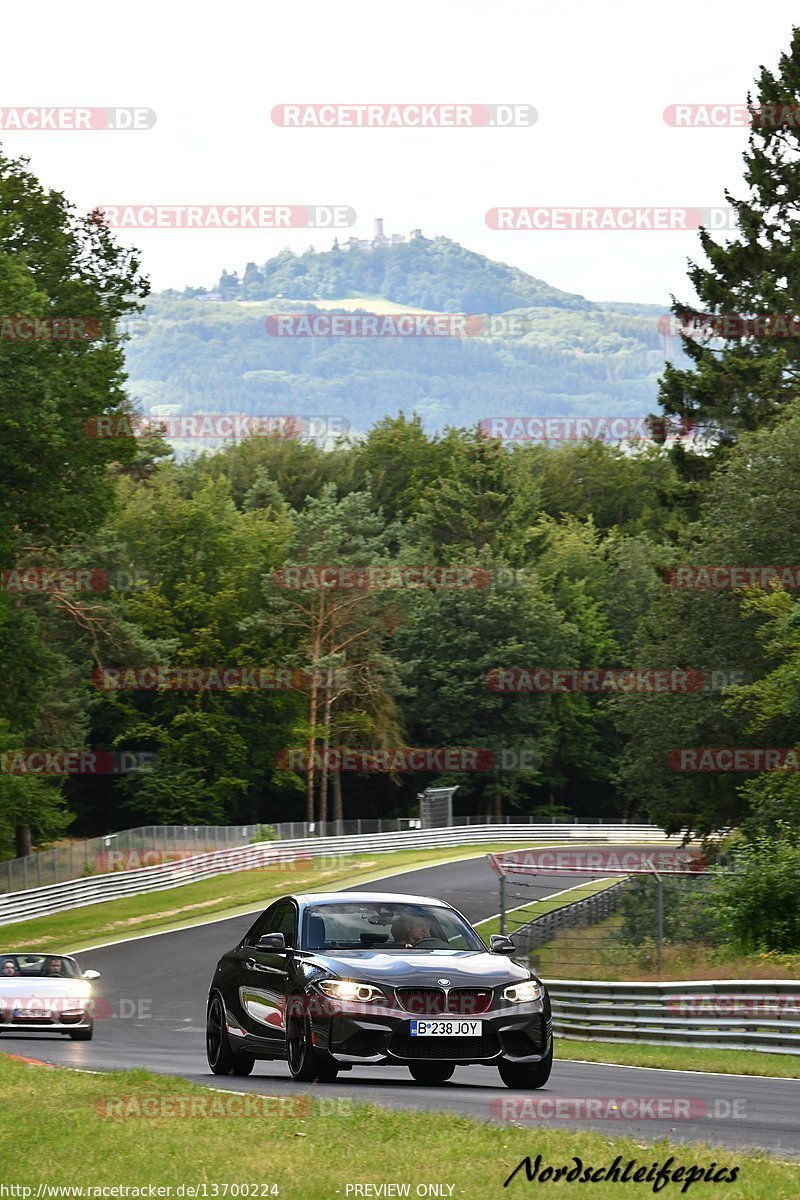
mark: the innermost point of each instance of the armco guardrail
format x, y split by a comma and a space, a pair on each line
594, 908
94, 889
734, 1014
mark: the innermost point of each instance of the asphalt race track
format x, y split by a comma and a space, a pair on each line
153, 992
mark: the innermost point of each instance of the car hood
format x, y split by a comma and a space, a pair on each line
15, 985
424, 969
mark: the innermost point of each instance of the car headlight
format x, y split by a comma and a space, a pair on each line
81, 991
524, 993
350, 989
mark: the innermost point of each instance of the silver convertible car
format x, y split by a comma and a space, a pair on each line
46, 993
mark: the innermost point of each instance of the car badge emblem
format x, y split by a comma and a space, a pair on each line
443, 982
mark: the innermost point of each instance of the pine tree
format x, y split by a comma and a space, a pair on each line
745, 368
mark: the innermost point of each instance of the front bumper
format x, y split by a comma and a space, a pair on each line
521, 1034
46, 1022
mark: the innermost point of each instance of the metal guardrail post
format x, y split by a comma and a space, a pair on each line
502, 903
659, 922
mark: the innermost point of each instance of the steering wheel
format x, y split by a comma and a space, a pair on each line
432, 943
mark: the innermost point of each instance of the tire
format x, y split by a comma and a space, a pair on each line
81, 1035
526, 1077
305, 1063
221, 1057
430, 1073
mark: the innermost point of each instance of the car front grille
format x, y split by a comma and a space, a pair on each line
403, 1045
436, 1002
41, 1017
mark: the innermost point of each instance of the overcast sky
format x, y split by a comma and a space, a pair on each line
599, 74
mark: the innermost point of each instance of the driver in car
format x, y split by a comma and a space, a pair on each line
410, 929
10, 967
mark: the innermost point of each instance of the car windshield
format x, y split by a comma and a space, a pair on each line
37, 966
389, 927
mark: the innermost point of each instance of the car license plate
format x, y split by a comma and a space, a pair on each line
30, 1012
446, 1028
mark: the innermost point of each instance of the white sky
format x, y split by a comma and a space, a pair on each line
599, 74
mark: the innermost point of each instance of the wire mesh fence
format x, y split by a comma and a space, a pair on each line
146, 845
612, 926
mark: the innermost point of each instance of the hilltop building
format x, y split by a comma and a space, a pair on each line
380, 240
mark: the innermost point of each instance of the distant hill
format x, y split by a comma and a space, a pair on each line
427, 273
208, 349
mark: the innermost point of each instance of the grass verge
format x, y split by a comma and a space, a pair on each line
219, 897
596, 952
308, 1147
683, 1058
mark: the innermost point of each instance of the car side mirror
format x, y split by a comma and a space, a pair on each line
271, 941
500, 944
91, 974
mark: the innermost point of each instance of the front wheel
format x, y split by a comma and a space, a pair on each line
431, 1072
221, 1057
305, 1063
526, 1077
81, 1035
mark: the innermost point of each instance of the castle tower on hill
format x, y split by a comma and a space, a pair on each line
380, 240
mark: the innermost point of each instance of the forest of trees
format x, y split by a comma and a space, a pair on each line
575, 545
570, 555
216, 357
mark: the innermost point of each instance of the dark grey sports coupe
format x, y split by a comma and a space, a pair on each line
332, 980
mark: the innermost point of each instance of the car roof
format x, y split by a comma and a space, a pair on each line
367, 897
